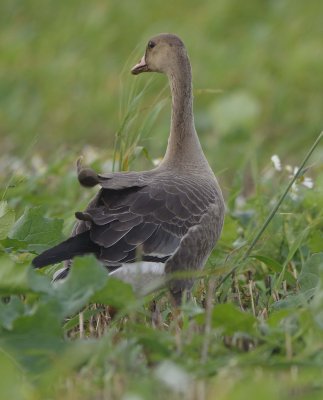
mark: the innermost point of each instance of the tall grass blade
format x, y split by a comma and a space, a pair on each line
271, 215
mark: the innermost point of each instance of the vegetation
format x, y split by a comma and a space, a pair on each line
254, 328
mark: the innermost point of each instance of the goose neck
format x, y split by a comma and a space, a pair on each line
183, 148
182, 100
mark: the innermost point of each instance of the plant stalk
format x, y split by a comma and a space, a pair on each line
271, 215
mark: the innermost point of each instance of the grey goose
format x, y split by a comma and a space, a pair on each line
156, 223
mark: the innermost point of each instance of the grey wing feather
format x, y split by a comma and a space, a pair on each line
137, 212
121, 180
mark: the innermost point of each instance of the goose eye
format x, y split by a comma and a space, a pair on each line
151, 44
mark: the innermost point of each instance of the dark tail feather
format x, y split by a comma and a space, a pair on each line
72, 247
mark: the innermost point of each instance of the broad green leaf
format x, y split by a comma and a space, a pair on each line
35, 339
13, 277
115, 293
157, 343
294, 300
315, 241
7, 219
294, 246
38, 231
10, 309
275, 266
87, 277
14, 245
310, 274
39, 282
66, 363
21, 278
231, 320
318, 317
308, 280
275, 318
13, 382
292, 250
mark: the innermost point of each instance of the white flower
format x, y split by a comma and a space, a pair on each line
295, 171
294, 191
276, 161
289, 168
303, 180
307, 182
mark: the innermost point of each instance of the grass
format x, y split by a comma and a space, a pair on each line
254, 327
89, 337
61, 67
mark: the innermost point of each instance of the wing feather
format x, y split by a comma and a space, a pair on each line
149, 217
141, 233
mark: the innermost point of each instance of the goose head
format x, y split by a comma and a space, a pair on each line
164, 53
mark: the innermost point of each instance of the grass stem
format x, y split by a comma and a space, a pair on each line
272, 213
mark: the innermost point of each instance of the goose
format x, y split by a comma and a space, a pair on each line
151, 225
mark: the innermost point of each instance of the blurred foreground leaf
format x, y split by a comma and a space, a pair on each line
35, 338
115, 293
309, 280
87, 276
310, 275
7, 218
230, 320
10, 309
13, 277
13, 382
37, 231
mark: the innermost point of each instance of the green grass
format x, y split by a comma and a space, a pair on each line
61, 74
65, 91
257, 332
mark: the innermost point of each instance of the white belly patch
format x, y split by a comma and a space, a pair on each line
143, 276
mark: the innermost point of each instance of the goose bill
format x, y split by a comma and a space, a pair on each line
140, 67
